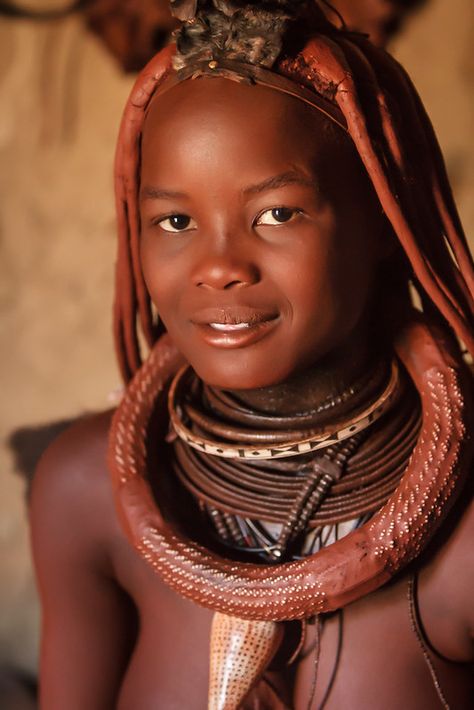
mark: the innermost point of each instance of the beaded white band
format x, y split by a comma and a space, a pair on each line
326, 437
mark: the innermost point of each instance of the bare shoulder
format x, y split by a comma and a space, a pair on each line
80, 445
88, 620
446, 585
71, 501
452, 565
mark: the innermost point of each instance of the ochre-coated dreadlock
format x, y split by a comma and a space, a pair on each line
385, 119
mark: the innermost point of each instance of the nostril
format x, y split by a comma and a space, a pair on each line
225, 287
219, 274
231, 284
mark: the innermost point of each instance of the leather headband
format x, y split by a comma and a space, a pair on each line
251, 74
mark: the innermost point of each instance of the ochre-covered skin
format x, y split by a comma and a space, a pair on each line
114, 635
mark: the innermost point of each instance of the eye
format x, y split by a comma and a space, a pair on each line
176, 223
277, 215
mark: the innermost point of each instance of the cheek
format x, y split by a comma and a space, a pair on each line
308, 277
161, 279
328, 293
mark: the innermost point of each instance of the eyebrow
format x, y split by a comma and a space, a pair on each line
148, 192
291, 177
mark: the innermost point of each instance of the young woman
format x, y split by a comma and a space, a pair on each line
288, 523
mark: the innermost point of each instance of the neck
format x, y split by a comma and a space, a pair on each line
328, 378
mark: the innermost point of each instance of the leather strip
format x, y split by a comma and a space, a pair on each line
251, 74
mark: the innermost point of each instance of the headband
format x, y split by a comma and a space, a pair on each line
251, 74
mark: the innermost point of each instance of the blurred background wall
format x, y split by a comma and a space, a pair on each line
61, 95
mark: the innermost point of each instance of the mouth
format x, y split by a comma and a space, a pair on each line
234, 327
229, 327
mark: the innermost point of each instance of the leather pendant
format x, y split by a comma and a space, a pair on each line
240, 652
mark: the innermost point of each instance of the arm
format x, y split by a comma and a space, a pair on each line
87, 625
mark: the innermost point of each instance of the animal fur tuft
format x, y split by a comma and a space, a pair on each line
250, 32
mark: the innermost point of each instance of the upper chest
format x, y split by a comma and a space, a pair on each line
369, 656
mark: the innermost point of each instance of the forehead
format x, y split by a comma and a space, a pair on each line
228, 104
213, 122
207, 96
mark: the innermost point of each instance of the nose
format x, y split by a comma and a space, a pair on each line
226, 265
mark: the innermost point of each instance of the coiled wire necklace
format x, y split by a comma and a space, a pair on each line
278, 507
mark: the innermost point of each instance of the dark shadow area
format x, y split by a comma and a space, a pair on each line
18, 690
30, 442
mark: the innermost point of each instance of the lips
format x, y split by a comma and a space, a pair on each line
234, 326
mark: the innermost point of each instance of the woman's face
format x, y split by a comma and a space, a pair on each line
259, 231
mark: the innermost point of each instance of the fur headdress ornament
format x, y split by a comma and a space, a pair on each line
249, 32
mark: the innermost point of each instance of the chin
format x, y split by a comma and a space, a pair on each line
237, 375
